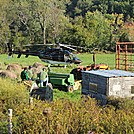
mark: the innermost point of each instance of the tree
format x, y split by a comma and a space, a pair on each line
5, 21
57, 26
82, 7
99, 29
115, 23
44, 12
127, 32
132, 8
91, 31
23, 11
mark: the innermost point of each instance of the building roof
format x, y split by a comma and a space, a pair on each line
111, 73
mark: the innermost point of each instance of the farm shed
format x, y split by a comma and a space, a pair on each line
101, 84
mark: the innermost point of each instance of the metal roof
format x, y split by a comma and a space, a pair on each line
111, 73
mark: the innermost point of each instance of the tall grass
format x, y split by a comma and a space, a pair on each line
66, 116
70, 117
11, 94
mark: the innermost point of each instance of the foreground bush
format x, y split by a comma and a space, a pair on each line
71, 117
121, 103
62, 116
11, 94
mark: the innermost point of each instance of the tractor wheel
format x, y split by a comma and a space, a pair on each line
70, 88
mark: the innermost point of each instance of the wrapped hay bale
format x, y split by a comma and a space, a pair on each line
11, 75
38, 65
14, 67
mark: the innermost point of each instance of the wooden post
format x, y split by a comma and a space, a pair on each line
116, 56
119, 57
10, 121
94, 58
126, 57
31, 102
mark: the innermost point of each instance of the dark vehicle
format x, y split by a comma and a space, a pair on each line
51, 55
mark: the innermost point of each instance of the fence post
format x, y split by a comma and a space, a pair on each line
31, 102
10, 121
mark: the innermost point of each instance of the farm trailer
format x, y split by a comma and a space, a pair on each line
64, 81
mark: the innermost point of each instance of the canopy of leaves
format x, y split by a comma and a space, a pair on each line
88, 23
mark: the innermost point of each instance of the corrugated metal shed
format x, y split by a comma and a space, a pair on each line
111, 73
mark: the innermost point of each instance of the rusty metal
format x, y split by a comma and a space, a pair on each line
125, 56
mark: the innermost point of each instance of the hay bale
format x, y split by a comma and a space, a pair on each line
11, 75
14, 67
15, 63
36, 70
38, 65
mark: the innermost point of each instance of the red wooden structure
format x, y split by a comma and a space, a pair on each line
125, 56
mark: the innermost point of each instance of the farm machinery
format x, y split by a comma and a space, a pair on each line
72, 81
77, 71
61, 81
64, 81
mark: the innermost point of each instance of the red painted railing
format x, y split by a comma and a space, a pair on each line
125, 56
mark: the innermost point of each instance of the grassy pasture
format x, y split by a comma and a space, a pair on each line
100, 58
86, 58
79, 116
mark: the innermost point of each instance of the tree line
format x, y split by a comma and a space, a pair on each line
85, 23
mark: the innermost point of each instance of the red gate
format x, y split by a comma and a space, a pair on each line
125, 56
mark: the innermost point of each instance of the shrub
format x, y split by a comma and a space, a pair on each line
12, 93
121, 103
71, 117
62, 115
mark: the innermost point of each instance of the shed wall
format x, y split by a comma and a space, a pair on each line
100, 87
121, 86
95, 86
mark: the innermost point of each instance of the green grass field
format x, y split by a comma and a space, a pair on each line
86, 58
68, 112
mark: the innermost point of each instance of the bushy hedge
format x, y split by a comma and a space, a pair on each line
11, 94
72, 117
64, 116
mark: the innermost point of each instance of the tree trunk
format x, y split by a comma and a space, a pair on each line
44, 32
